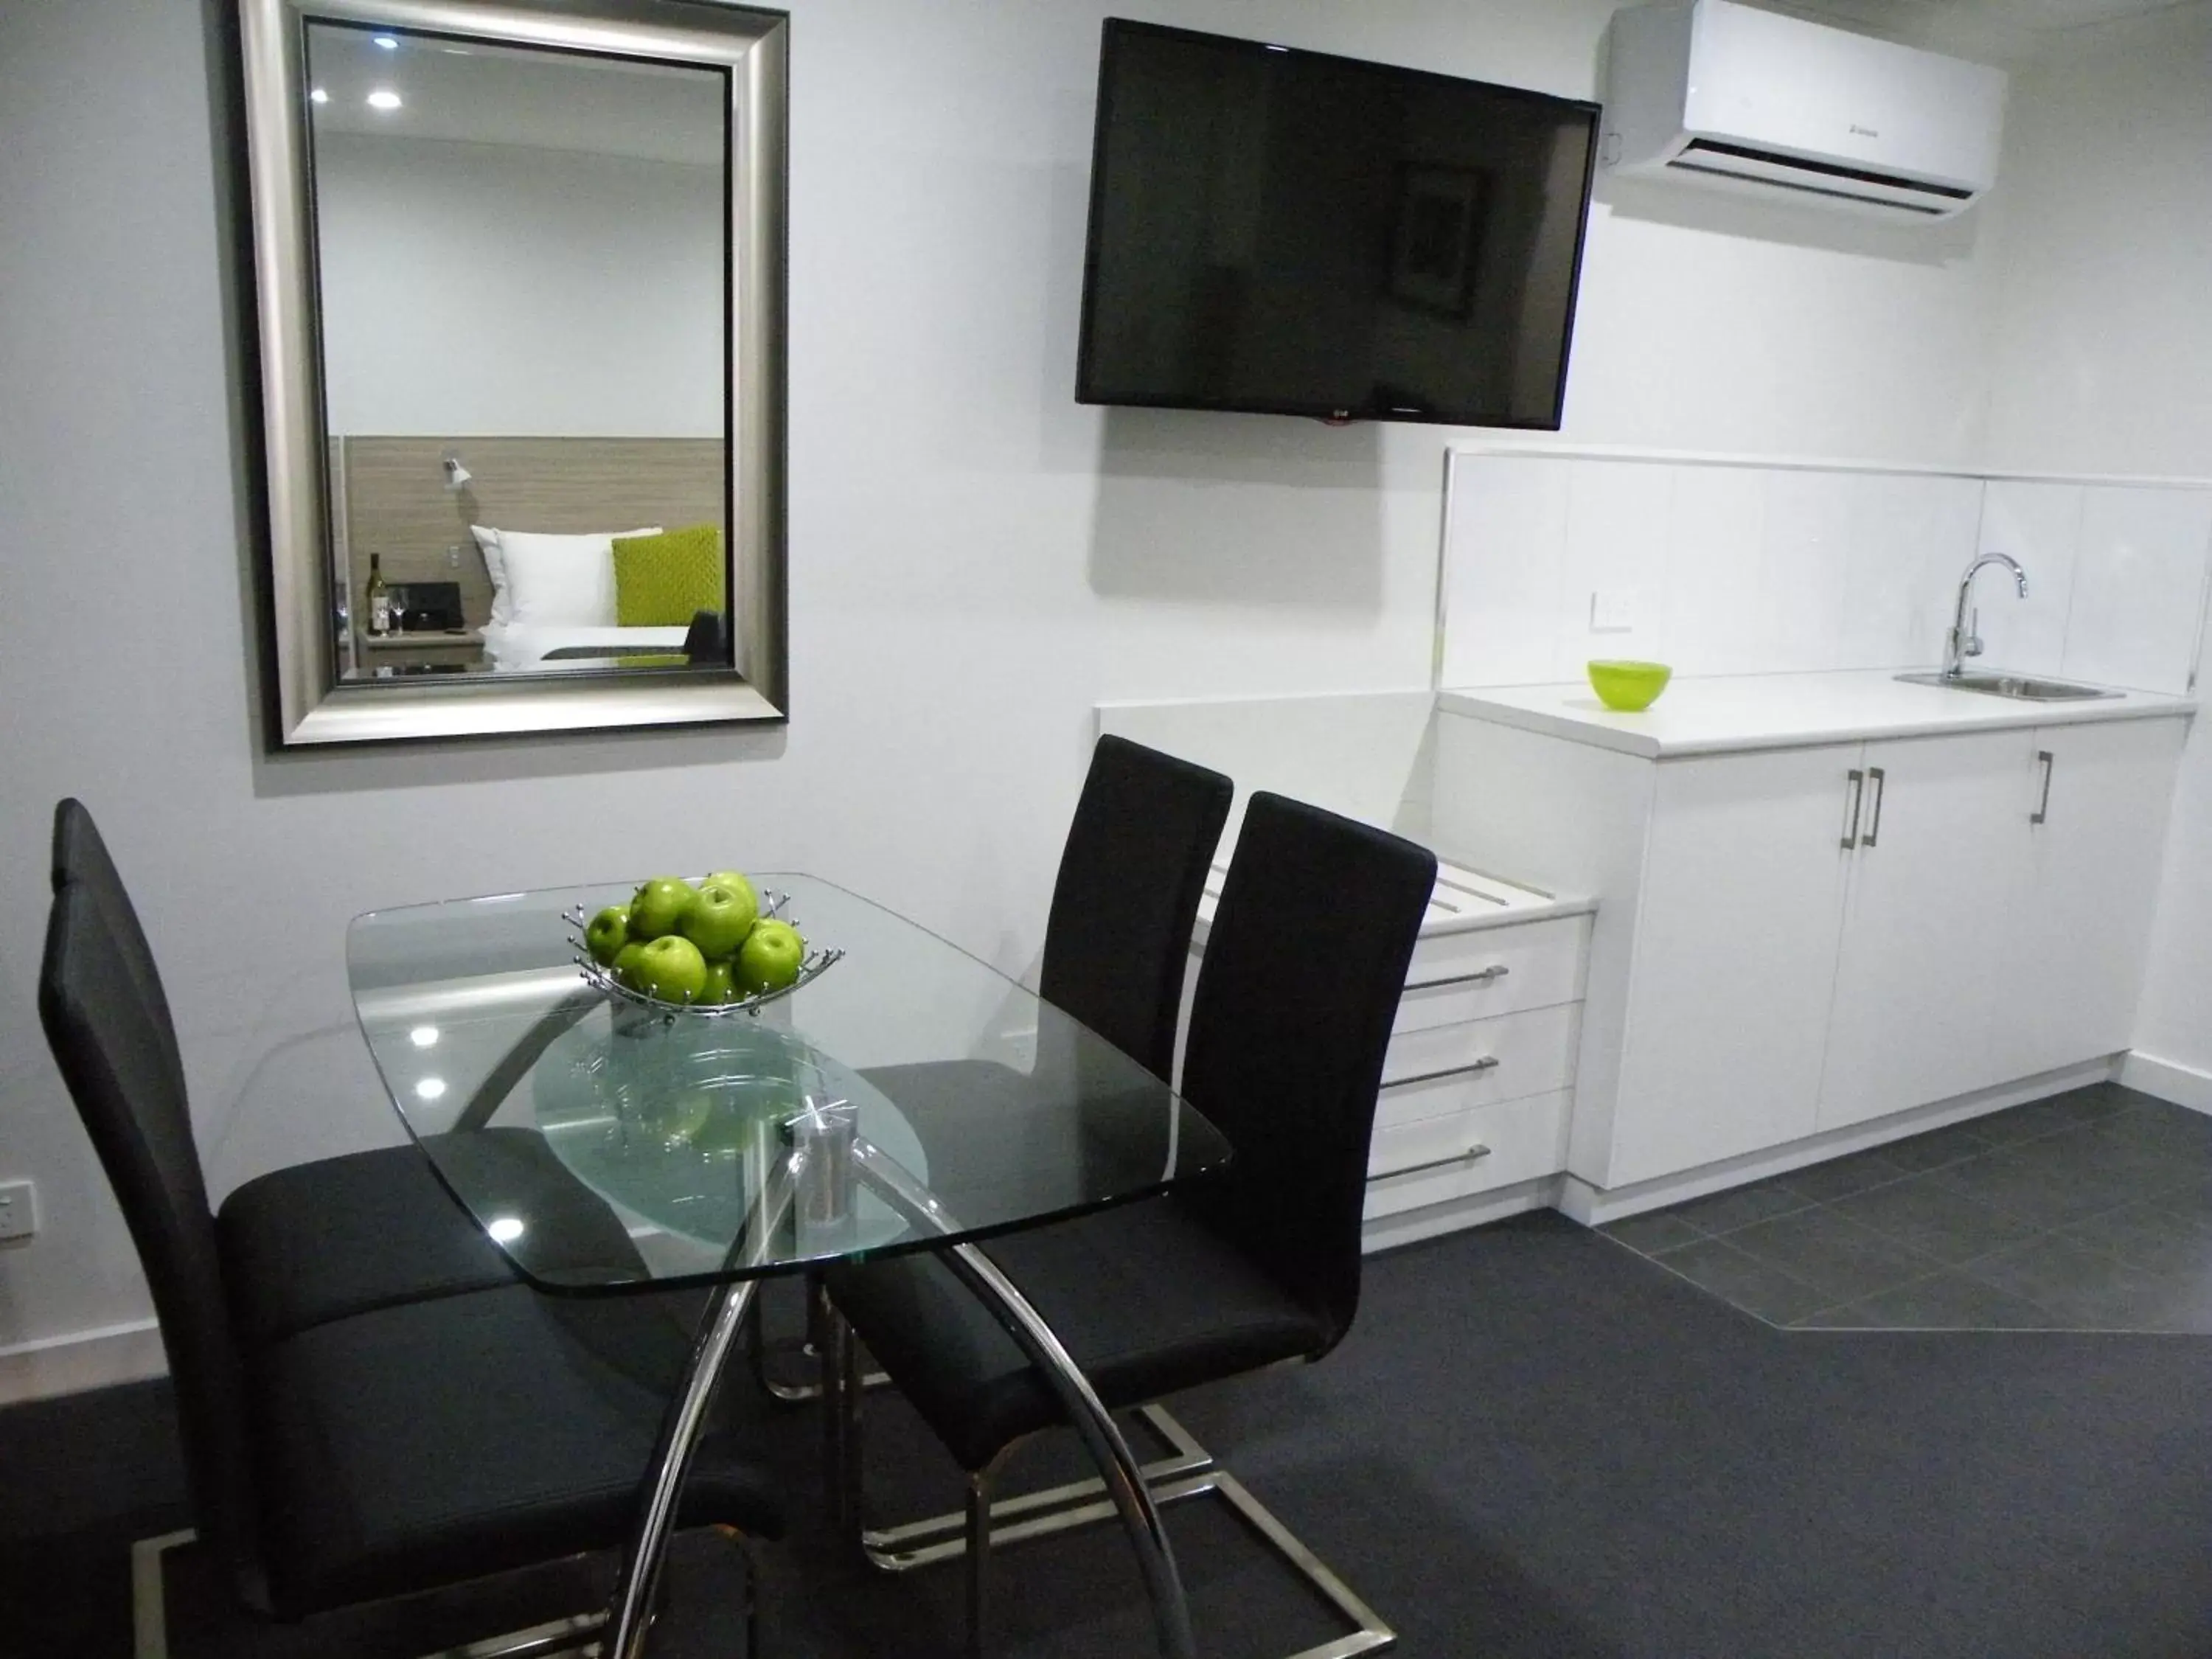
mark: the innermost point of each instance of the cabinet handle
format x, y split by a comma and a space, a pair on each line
1878, 779
1468, 1157
1857, 780
2043, 808
1486, 1063
1479, 977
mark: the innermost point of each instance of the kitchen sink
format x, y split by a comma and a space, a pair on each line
2023, 687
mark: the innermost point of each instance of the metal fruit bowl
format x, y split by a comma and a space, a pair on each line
816, 963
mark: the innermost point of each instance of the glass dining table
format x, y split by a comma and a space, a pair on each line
837, 1122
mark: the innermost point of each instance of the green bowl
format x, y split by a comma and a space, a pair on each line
1629, 686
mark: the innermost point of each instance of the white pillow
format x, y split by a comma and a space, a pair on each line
502, 608
547, 581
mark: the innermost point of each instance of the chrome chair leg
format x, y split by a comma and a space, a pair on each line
578, 1634
841, 1386
1187, 1471
1032, 1514
979, 1563
750, 1568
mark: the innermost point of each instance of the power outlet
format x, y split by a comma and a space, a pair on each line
1613, 610
19, 1210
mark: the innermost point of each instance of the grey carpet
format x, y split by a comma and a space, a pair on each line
1537, 1443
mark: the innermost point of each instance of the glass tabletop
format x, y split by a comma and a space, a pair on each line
604, 1145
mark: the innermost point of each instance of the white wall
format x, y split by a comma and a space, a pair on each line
2104, 361
1732, 567
975, 561
2104, 339
488, 290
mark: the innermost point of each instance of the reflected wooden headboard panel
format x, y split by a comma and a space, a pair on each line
397, 504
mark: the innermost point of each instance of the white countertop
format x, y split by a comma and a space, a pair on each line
1783, 711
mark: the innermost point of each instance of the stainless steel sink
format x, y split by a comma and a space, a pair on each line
2022, 687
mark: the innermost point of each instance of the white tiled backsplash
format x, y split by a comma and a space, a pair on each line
1721, 568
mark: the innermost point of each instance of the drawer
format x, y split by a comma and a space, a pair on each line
1492, 970
1464, 1152
1449, 1068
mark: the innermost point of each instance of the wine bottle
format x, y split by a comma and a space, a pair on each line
380, 597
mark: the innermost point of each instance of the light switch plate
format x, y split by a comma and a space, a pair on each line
1613, 610
19, 1210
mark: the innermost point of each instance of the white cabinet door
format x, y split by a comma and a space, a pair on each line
1735, 956
2081, 927
1941, 860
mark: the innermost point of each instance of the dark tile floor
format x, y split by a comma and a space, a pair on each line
2089, 1211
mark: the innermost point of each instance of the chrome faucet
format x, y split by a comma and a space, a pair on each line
1964, 640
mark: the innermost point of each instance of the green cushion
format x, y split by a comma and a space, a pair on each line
661, 582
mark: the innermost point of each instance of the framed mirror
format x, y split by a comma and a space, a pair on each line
519, 273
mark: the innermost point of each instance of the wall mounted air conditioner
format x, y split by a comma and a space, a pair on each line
1713, 93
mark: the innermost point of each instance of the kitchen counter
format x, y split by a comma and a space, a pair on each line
1725, 714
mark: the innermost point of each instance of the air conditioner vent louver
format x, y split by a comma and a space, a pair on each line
1809, 189
1798, 164
1713, 92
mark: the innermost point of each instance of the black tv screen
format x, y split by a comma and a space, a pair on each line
1295, 233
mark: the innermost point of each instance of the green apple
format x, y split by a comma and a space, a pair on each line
608, 933
720, 918
736, 879
625, 962
671, 969
721, 984
660, 906
769, 960
685, 1117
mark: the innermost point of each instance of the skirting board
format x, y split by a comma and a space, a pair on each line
1595, 1206
82, 1359
1388, 1233
2169, 1079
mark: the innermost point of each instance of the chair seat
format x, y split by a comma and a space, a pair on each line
344, 1236
436, 1442
971, 1117
1145, 1297
348, 1235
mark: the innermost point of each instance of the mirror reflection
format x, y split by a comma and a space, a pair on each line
521, 260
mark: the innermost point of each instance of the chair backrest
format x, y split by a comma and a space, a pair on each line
80, 856
1304, 966
1117, 939
107, 1038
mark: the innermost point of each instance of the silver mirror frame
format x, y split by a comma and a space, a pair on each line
310, 704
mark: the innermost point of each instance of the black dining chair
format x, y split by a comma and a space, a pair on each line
381, 1453
1117, 936
1300, 983
1132, 873
1117, 944
344, 1235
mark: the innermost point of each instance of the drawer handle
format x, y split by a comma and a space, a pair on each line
1479, 977
1468, 1157
1486, 1063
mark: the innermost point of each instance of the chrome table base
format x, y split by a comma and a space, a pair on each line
628, 1617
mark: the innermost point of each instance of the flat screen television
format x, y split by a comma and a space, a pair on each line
1290, 233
